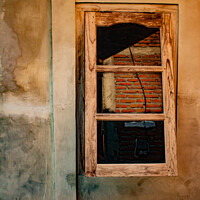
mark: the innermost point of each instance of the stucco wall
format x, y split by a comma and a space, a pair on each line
186, 185
25, 115
63, 28
32, 166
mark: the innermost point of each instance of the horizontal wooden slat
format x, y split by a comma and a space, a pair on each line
129, 117
82, 5
129, 68
152, 20
129, 170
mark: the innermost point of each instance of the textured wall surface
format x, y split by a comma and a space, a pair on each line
24, 163
186, 186
26, 167
25, 120
63, 27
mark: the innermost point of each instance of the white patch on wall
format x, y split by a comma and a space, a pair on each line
15, 106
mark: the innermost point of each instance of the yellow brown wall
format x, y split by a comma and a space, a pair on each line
187, 184
37, 148
25, 115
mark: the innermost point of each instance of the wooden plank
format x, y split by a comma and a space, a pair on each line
169, 97
152, 20
128, 68
90, 95
127, 7
174, 38
80, 91
131, 170
129, 117
91, 167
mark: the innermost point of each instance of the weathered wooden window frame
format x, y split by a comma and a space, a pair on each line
168, 27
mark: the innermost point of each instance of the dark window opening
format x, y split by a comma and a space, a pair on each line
113, 43
130, 142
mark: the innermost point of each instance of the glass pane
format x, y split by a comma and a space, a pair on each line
116, 43
129, 92
130, 142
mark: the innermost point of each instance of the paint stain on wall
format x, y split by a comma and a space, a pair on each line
9, 51
25, 137
25, 158
25, 48
71, 179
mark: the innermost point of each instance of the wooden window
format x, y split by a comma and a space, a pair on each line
146, 19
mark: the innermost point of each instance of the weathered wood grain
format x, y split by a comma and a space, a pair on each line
131, 170
129, 117
129, 68
152, 20
174, 38
169, 97
168, 45
95, 7
90, 95
80, 90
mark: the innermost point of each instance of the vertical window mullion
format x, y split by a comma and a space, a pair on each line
168, 96
90, 95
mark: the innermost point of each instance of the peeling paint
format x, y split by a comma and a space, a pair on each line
25, 134
25, 141
9, 51
25, 48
